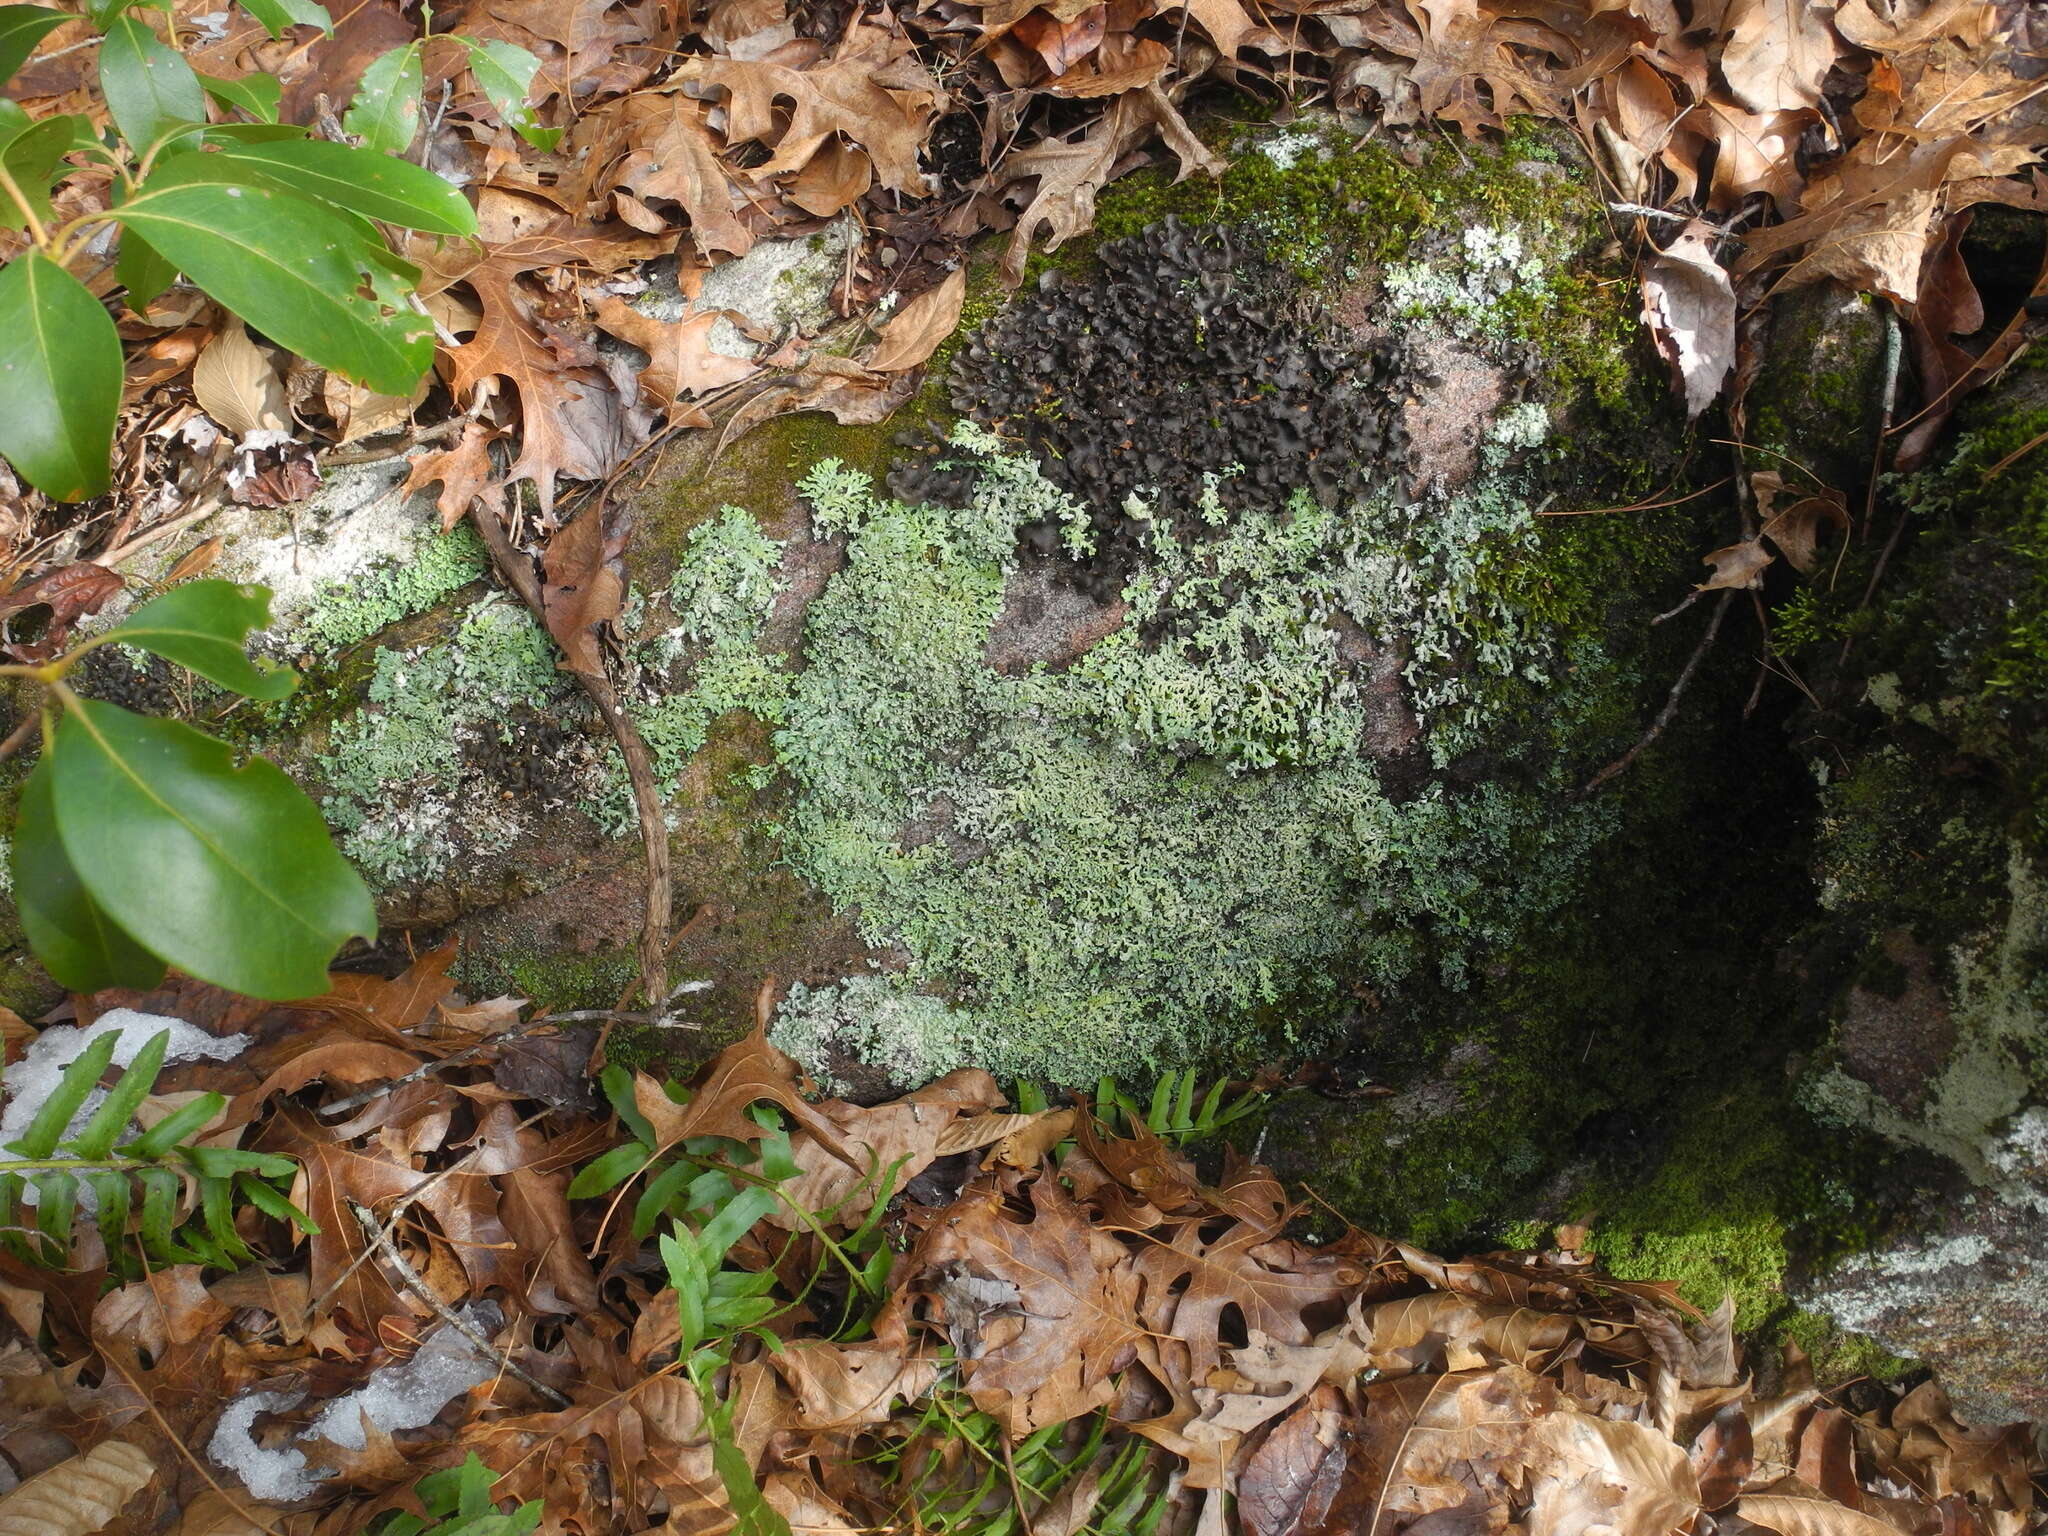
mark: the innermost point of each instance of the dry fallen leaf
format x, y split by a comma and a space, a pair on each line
1689, 305
79, 1496
1740, 566
237, 385
464, 471
680, 359
584, 588
916, 331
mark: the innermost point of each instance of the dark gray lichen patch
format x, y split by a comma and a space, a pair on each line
1183, 361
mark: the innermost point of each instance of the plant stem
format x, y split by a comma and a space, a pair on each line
20, 199
72, 1165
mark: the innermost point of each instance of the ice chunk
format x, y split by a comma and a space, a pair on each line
402, 1396
28, 1084
279, 1474
408, 1395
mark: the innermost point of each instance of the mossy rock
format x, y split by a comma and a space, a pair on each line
1925, 959
1818, 400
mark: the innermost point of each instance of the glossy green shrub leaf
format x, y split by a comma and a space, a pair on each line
149, 87
204, 625
377, 186
33, 156
291, 268
504, 72
142, 271
227, 872
256, 94
280, 16
60, 379
77, 943
385, 114
21, 28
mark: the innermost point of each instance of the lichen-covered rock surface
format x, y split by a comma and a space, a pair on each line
1927, 959
1207, 670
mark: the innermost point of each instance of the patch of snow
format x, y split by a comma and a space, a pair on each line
28, 1084
277, 1474
407, 1396
403, 1396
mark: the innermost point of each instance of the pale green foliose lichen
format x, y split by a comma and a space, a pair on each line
372, 601
1117, 865
1465, 297
394, 770
705, 665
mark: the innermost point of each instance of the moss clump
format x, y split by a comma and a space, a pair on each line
552, 980
1813, 413
1749, 1185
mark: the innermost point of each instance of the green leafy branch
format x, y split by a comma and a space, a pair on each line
458, 1502
142, 843
114, 1167
282, 229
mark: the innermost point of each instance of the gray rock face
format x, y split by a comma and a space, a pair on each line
1968, 1295
1932, 949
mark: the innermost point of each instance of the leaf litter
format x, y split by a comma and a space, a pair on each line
730, 1305
1758, 142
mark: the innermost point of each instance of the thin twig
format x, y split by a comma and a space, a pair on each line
341, 458
29, 721
149, 536
1639, 506
447, 1314
632, 746
403, 1204
184, 1450
461, 1058
1670, 709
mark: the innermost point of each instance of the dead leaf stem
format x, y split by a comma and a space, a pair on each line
442, 1310
1670, 710
632, 747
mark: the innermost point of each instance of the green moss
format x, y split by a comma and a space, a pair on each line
1993, 490
553, 980
1813, 410
1750, 1193
1839, 1358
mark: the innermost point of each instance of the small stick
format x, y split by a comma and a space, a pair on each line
632, 747
341, 458
1670, 709
459, 1058
404, 1204
21, 733
447, 1314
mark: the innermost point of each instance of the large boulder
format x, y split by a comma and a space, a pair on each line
1928, 958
